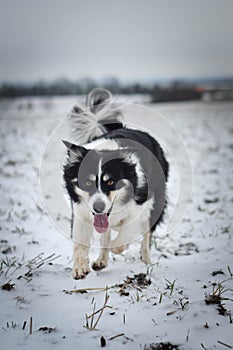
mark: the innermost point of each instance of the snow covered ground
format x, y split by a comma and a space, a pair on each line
182, 301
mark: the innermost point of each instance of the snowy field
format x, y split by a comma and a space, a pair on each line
182, 301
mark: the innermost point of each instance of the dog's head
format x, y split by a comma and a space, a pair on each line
104, 180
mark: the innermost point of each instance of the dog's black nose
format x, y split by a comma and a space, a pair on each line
99, 207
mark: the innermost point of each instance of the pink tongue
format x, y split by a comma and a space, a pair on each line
101, 222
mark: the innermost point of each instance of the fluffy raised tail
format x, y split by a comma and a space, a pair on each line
97, 117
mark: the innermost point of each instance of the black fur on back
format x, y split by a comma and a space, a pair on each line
122, 135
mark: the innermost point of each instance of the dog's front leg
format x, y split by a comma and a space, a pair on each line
145, 252
145, 248
102, 260
82, 236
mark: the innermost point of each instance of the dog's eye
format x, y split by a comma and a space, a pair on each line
88, 183
110, 182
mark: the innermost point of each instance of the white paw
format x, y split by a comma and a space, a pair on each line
99, 264
80, 270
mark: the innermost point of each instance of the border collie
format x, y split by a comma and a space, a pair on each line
116, 179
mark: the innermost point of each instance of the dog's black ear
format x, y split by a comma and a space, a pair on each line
74, 152
68, 144
97, 99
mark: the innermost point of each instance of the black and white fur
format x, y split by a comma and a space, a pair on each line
116, 179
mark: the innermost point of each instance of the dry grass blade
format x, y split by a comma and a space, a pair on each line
33, 260
83, 290
169, 313
97, 311
47, 260
116, 336
93, 323
30, 326
217, 296
224, 344
102, 309
187, 336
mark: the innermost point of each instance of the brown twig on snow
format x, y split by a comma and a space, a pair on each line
97, 311
116, 336
83, 290
30, 327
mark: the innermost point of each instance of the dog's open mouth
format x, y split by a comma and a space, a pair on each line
101, 222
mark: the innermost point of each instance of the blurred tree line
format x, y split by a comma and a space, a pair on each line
68, 87
178, 90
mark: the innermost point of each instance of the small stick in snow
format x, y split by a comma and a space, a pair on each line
92, 316
116, 336
187, 336
83, 290
224, 344
30, 328
229, 270
24, 325
96, 312
169, 313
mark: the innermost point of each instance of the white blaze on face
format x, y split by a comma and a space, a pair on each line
101, 222
99, 175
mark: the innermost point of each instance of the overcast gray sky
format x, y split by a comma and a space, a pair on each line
128, 39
